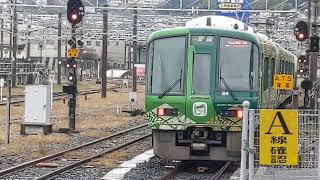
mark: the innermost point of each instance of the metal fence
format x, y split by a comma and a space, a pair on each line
308, 150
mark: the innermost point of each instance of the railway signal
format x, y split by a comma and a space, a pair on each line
301, 31
75, 11
303, 62
314, 44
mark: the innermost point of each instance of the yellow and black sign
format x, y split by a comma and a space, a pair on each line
278, 137
230, 6
73, 52
283, 81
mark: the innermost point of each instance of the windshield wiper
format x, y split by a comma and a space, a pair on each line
228, 88
172, 86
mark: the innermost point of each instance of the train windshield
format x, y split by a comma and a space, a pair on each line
238, 65
166, 61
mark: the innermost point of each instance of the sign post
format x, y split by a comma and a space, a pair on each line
1, 88
51, 87
278, 137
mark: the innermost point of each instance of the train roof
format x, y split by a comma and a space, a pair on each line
226, 26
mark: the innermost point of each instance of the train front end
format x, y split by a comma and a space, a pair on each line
197, 80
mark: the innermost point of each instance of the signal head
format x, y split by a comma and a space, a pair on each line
71, 63
303, 59
75, 11
301, 31
314, 44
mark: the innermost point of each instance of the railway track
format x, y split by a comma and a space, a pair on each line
218, 174
56, 96
76, 156
178, 172
17, 99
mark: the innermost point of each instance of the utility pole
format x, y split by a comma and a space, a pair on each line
75, 12
129, 56
28, 43
125, 56
135, 39
313, 55
59, 49
15, 46
1, 39
8, 112
104, 54
10, 38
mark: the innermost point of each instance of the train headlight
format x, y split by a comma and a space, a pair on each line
239, 113
160, 111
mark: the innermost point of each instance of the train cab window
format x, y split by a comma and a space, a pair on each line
166, 62
237, 65
201, 74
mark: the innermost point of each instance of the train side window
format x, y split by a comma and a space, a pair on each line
201, 74
272, 72
265, 78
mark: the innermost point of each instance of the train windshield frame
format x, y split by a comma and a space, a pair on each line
166, 65
237, 65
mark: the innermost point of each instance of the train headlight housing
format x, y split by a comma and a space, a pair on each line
235, 113
167, 111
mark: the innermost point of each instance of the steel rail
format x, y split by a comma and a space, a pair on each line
60, 95
33, 162
71, 166
221, 171
170, 175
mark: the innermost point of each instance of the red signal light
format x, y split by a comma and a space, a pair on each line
301, 36
74, 16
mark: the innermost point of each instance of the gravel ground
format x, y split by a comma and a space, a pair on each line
156, 168
83, 153
153, 169
72, 141
90, 171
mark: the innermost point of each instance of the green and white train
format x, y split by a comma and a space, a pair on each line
197, 78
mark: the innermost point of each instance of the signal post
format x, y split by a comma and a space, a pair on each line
75, 12
307, 65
